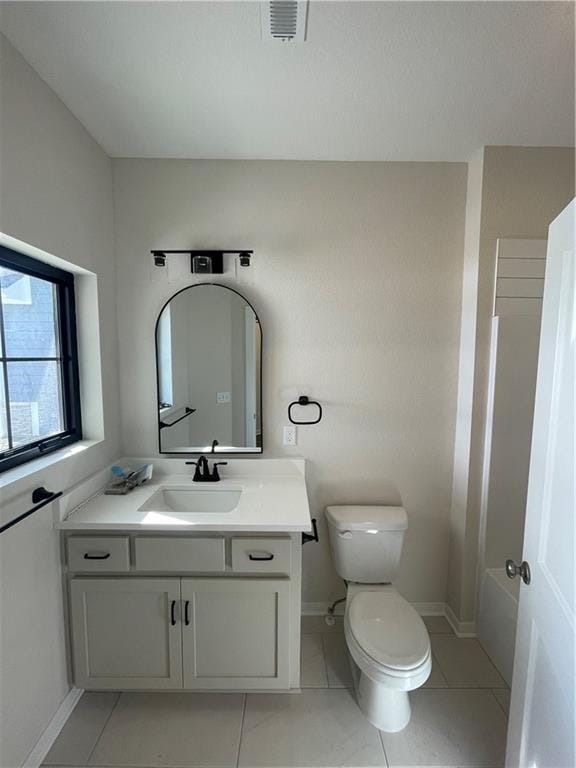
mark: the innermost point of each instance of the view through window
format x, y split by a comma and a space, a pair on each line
39, 404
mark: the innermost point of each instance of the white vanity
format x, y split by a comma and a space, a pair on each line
189, 586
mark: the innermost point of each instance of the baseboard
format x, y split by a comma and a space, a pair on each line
320, 609
430, 609
461, 628
50, 734
424, 609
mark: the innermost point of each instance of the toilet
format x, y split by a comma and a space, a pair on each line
387, 640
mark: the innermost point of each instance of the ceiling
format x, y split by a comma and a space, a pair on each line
373, 81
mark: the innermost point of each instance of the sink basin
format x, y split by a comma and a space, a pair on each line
194, 501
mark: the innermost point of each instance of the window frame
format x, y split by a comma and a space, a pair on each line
68, 348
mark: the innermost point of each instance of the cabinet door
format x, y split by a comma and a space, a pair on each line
236, 633
126, 633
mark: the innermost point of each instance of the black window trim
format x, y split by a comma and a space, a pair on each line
64, 282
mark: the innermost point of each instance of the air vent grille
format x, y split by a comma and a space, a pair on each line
284, 20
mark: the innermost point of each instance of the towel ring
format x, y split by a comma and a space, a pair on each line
305, 400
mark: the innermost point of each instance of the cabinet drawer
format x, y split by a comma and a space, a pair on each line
257, 555
181, 554
98, 553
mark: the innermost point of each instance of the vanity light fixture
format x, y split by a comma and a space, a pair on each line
204, 262
244, 258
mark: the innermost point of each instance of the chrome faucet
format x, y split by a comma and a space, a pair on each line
202, 473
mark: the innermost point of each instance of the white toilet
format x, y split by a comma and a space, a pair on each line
387, 639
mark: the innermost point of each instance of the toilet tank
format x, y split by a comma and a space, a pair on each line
366, 541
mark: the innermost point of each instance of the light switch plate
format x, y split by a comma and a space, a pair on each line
290, 435
223, 397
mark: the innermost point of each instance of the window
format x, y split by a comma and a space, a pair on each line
39, 385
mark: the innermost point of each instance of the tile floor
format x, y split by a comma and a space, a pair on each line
459, 718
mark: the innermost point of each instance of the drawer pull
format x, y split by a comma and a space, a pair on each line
173, 612
260, 557
96, 555
187, 612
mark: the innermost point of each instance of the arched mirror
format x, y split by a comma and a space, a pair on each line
209, 372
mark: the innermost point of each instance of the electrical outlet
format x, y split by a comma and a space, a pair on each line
290, 435
223, 397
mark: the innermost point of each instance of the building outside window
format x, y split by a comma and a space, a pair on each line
39, 385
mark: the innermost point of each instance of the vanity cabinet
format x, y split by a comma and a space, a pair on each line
233, 626
236, 633
125, 633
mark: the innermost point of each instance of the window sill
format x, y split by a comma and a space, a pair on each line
24, 471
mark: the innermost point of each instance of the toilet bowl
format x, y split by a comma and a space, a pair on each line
387, 640
390, 653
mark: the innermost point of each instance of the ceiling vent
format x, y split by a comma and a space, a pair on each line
284, 20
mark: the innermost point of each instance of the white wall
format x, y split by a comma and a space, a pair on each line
357, 279
55, 194
465, 401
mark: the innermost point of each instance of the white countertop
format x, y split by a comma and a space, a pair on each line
269, 502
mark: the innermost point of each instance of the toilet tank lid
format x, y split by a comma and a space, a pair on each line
367, 518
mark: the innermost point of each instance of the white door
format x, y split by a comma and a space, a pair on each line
126, 633
236, 633
542, 716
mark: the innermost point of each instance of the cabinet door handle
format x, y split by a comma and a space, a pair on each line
187, 612
259, 557
96, 555
173, 612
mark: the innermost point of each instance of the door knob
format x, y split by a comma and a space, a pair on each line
522, 570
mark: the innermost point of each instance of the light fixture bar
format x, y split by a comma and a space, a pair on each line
160, 256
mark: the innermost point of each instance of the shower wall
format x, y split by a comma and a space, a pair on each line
514, 345
511, 402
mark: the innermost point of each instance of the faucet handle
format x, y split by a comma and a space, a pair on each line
198, 476
215, 473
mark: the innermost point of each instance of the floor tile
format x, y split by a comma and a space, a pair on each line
79, 736
503, 698
337, 661
159, 729
437, 625
464, 663
315, 728
436, 679
312, 664
317, 624
450, 728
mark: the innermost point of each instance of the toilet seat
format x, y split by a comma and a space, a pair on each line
388, 639
389, 630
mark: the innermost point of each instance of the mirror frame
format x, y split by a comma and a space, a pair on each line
241, 451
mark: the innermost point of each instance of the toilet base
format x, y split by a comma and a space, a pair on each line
387, 709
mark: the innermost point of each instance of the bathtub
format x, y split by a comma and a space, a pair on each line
497, 619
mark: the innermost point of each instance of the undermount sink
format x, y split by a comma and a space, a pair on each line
193, 501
